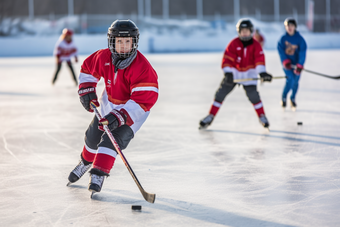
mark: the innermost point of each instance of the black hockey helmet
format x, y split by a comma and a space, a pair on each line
290, 20
123, 28
245, 23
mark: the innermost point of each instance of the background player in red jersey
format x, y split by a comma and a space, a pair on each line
131, 89
64, 50
258, 37
243, 58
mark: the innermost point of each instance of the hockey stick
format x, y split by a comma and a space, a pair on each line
320, 74
147, 196
249, 79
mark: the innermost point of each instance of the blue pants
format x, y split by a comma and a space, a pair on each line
292, 83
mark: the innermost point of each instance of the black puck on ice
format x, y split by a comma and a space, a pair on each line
299, 123
136, 207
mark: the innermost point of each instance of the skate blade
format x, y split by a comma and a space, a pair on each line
203, 127
69, 183
92, 193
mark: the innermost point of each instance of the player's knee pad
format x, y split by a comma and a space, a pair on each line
252, 93
122, 135
93, 135
223, 91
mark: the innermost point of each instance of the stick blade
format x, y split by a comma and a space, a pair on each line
149, 197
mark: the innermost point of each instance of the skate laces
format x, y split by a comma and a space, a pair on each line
81, 169
98, 180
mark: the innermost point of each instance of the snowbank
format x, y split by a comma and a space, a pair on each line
158, 36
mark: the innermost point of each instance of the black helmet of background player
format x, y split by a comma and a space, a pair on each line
244, 23
290, 20
122, 28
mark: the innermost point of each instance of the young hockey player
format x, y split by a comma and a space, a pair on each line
131, 89
258, 37
292, 50
243, 58
64, 50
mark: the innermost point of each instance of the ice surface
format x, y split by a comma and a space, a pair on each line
233, 174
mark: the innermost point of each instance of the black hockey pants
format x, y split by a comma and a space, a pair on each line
58, 69
95, 138
224, 90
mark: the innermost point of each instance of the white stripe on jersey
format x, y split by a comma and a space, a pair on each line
87, 78
90, 149
135, 111
145, 89
260, 69
227, 69
107, 151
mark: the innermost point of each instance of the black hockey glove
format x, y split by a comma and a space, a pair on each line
266, 77
114, 120
229, 78
88, 95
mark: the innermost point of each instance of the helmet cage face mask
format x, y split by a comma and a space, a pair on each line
242, 24
115, 48
123, 29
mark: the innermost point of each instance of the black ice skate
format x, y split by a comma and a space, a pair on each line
205, 122
264, 121
293, 104
96, 180
78, 172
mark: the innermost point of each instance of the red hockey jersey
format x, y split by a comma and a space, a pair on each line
133, 90
244, 62
65, 50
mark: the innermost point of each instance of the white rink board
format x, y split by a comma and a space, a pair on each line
236, 173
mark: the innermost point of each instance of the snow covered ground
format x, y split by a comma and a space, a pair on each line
236, 173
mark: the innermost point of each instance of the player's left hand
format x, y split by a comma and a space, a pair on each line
298, 69
266, 77
114, 120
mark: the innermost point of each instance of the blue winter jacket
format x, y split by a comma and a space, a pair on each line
292, 47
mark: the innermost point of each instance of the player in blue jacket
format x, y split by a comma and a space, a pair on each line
292, 50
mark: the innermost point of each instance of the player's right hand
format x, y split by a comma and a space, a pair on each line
229, 78
88, 95
287, 64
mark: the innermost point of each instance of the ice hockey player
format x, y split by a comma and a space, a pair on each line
258, 37
64, 50
243, 58
292, 50
131, 89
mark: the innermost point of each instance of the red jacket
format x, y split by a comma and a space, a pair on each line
134, 90
244, 62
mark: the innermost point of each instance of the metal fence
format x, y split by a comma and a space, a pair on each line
83, 15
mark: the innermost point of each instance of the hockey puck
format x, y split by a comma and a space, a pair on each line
299, 123
136, 207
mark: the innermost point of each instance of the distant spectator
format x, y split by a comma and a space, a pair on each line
258, 37
64, 50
